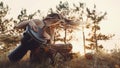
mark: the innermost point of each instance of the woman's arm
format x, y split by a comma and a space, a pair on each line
22, 25
32, 23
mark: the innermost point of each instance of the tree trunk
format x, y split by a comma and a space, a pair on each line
83, 40
96, 44
65, 35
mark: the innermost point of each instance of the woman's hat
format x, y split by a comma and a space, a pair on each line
60, 17
53, 16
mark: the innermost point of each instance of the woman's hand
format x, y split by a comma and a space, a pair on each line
33, 26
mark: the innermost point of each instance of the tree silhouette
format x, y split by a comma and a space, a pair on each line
3, 12
71, 22
95, 19
76, 14
87, 18
6, 34
23, 15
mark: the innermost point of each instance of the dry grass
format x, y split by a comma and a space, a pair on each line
104, 60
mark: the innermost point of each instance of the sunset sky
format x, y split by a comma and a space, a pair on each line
111, 24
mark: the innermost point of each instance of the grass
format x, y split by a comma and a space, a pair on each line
104, 60
101, 60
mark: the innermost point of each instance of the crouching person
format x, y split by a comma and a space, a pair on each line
37, 33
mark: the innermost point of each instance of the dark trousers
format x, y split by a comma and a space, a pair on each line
27, 43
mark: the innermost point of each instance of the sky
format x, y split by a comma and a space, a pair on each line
111, 24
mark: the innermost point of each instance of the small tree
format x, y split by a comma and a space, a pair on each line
95, 19
3, 12
68, 13
25, 16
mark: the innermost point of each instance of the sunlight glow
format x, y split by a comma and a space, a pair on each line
76, 41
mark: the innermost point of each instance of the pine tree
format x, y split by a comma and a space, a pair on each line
93, 24
3, 12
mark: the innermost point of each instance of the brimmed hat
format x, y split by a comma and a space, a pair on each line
59, 17
53, 16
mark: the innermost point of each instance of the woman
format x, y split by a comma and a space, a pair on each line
27, 42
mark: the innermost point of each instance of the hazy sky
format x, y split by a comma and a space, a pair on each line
111, 24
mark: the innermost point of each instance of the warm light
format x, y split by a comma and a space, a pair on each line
76, 40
